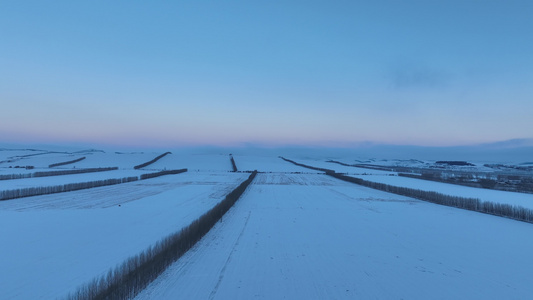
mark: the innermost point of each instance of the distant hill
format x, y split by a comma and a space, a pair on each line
514, 151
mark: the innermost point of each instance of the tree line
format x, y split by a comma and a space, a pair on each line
233, 163
55, 173
132, 276
67, 162
151, 161
166, 172
44, 190
307, 166
498, 209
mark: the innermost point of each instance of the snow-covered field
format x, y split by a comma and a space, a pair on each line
266, 164
295, 233
314, 237
391, 178
343, 169
521, 199
66, 179
37, 159
52, 244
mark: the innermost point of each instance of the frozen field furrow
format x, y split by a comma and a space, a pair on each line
50, 245
337, 240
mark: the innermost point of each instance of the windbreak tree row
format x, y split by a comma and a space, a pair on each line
151, 161
67, 162
44, 190
73, 171
166, 172
15, 176
56, 173
233, 164
498, 209
365, 166
306, 166
132, 276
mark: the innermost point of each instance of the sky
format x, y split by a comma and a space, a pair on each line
267, 73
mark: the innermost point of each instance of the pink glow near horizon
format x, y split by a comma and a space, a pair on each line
70, 74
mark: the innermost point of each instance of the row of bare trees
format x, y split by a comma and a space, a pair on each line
151, 161
166, 172
233, 164
307, 166
73, 171
67, 162
498, 209
44, 190
55, 173
132, 276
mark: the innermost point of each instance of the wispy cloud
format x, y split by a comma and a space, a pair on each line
417, 76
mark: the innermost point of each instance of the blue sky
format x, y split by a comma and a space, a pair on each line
229, 73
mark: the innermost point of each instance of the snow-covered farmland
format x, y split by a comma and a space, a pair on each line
37, 159
521, 199
194, 162
66, 179
115, 159
343, 169
295, 233
314, 237
265, 164
391, 178
52, 244
8, 155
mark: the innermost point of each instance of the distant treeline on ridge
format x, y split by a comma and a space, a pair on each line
152, 161
166, 172
67, 162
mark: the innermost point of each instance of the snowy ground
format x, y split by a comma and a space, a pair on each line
52, 244
9, 171
314, 237
266, 164
194, 162
66, 179
292, 236
37, 159
344, 169
521, 199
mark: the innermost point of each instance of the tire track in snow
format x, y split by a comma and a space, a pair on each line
221, 276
